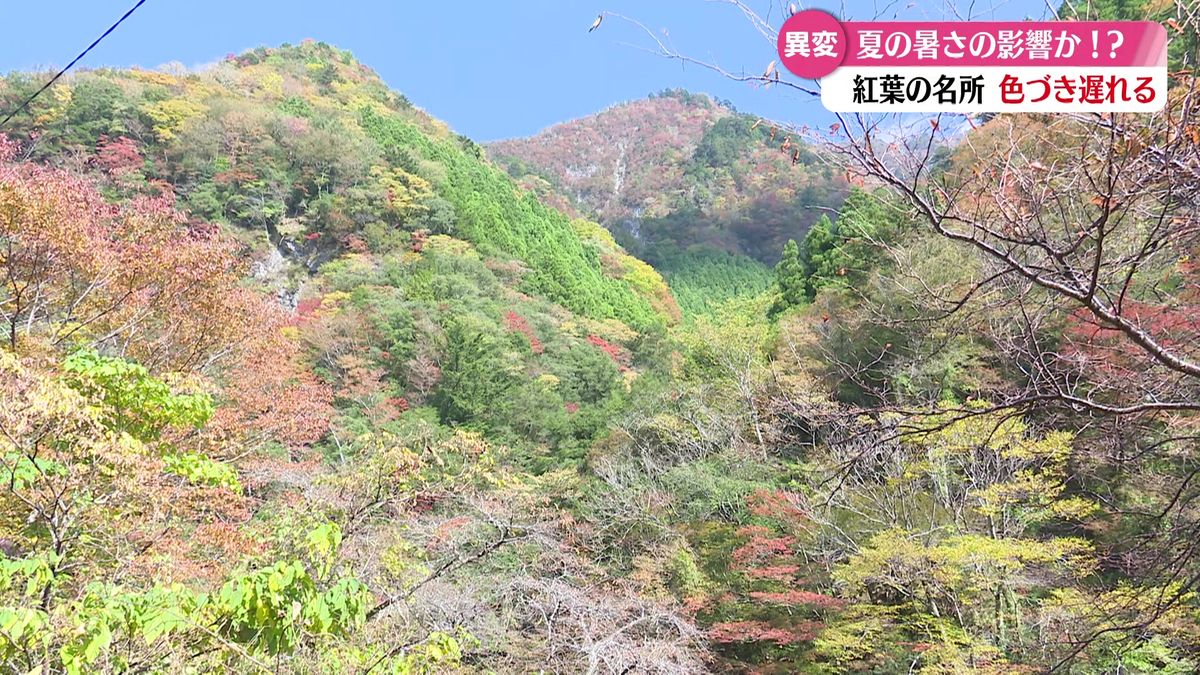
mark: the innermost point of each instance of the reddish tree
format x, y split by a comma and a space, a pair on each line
270, 395
769, 603
517, 324
118, 156
617, 353
132, 278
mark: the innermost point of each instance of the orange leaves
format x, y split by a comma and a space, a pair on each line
270, 395
1105, 201
762, 631
79, 270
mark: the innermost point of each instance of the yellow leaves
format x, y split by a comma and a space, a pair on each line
1027, 488
961, 438
50, 423
959, 433
355, 102
1113, 609
1075, 509
985, 561
965, 565
406, 193
547, 381
642, 276
628, 377
169, 116
1054, 447
154, 77
271, 84
1017, 476
61, 95
443, 243
390, 468
404, 561
467, 443
38, 401
612, 330
891, 558
331, 302
646, 281
593, 232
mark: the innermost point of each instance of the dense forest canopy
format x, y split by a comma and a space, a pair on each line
293, 378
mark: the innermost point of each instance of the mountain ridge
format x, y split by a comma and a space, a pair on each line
677, 170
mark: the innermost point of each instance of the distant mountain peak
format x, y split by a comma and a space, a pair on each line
680, 169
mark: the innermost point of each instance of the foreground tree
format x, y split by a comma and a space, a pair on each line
1078, 234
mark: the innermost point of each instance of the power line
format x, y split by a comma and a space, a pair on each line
72, 63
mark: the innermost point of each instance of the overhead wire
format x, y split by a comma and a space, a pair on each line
77, 59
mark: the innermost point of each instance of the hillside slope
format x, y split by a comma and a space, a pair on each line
308, 146
678, 170
282, 355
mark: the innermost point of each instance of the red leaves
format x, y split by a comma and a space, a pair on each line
761, 631
773, 572
517, 324
760, 546
1107, 351
270, 395
119, 156
308, 307
233, 177
133, 274
768, 596
777, 504
617, 353
418, 240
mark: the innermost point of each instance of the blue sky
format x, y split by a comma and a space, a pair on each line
490, 69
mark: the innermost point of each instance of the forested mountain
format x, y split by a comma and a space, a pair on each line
310, 316
679, 170
295, 379
678, 177
308, 146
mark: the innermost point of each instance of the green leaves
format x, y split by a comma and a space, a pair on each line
791, 274
322, 543
22, 629
137, 403
494, 215
274, 608
201, 470
19, 472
